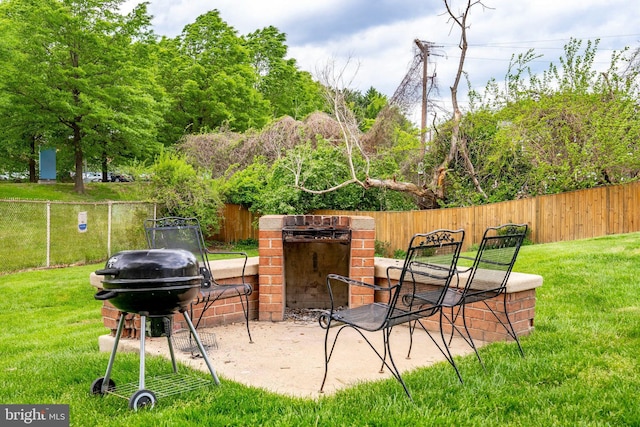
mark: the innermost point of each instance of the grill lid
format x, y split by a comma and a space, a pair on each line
163, 265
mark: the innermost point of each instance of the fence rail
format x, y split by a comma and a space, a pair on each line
568, 216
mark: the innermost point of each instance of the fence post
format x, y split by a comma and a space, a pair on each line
48, 234
109, 211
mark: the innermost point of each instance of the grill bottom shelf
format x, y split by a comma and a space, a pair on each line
163, 386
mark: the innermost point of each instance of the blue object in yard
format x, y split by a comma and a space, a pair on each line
48, 164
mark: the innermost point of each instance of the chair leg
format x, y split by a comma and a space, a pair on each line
327, 353
206, 305
387, 351
384, 358
412, 327
466, 335
395, 371
454, 316
244, 302
448, 354
470, 339
245, 309
508, 326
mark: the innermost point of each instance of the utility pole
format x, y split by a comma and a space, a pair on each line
406, 95
425, 50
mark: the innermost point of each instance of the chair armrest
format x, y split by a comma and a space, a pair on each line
242, 254
353, 282
392, 267
412, 272
324, 319
215, 252
336, 278
464, 269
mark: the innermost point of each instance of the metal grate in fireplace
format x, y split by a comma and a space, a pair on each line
301, 228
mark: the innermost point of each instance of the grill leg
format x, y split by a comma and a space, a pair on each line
143, 333
112, 358
201, 347
173, 356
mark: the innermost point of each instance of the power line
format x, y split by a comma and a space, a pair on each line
558, 40
515, 44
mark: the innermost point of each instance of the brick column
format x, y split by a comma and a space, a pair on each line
363, 236
271, 269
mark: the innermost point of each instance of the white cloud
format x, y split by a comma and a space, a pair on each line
379, 34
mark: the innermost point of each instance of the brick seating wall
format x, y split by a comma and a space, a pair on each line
481, 322
521, 306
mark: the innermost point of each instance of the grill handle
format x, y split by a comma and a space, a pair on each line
108, 272
105, 295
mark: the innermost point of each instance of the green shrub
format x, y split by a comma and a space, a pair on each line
183, 191
382, 248
399, 254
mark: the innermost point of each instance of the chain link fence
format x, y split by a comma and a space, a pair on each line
35, 234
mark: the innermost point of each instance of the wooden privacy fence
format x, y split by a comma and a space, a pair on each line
559, 217
237, 224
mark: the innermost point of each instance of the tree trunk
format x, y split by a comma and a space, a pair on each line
78, 186
457, 145
32, 159
427, 197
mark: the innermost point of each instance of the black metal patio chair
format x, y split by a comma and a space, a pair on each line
186, 233
487, 279
429, 265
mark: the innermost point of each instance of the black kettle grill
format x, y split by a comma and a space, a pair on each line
153, 283
157, 282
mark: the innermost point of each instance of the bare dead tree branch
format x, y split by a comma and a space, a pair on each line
336, 82
336, 85
458, 145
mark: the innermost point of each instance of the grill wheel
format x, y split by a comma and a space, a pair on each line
142, 399
96, 387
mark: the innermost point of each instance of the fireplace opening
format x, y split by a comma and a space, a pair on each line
314, 247
307, 265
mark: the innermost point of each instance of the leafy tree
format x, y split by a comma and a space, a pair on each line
325, 165
209, 80
567, 128
366, 107
245, 186
77, 65
357, 148
289, 91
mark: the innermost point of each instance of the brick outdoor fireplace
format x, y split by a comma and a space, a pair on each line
296, 254
298, 251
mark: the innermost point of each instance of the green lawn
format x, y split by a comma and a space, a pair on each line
94, 191
581, 366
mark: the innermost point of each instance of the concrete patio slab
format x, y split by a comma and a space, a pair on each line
288, 357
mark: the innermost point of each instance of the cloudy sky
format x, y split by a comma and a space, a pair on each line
378, 35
